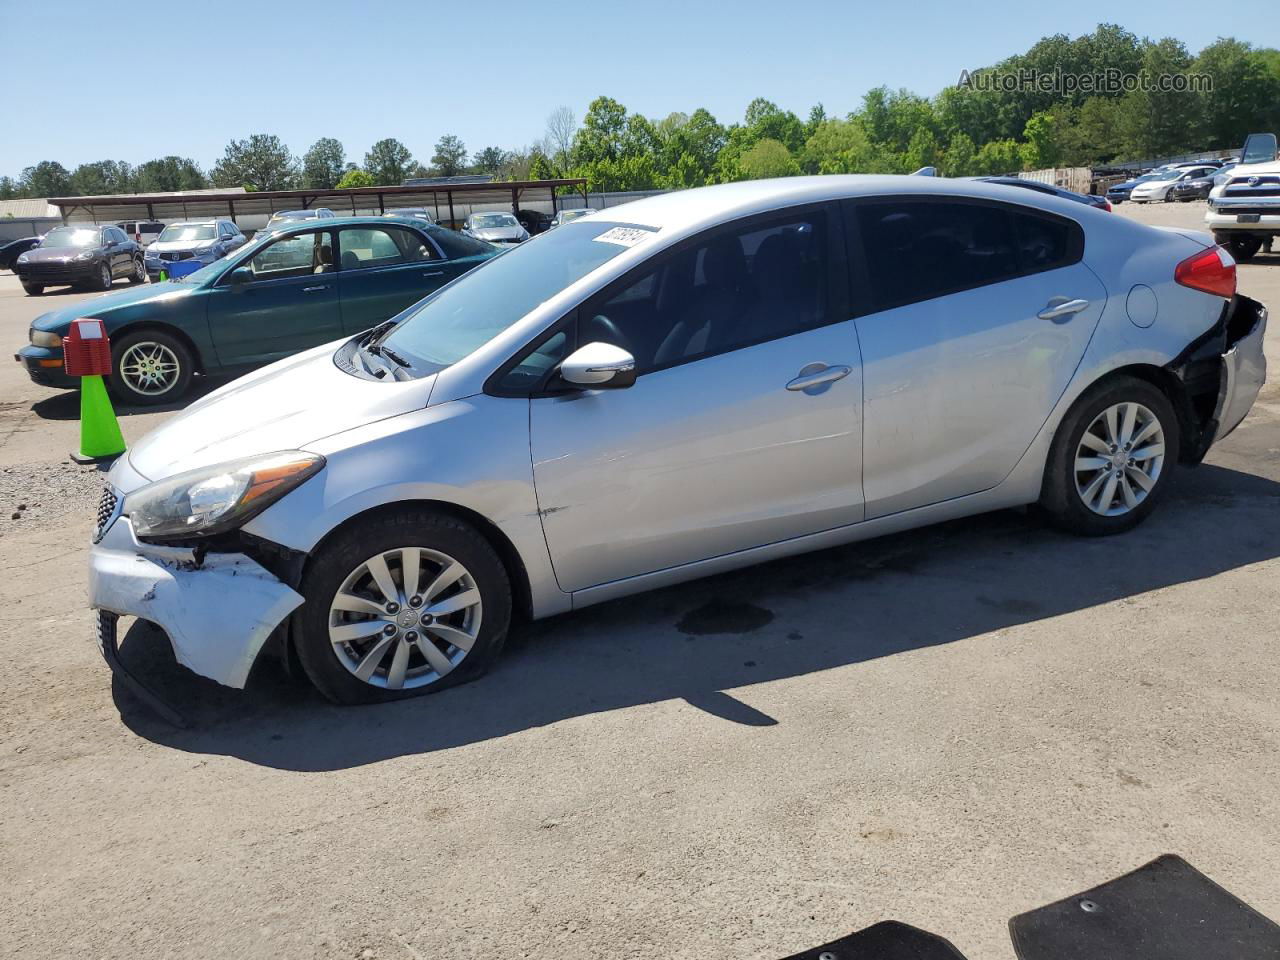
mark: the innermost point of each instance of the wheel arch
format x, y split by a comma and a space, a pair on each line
1192, 418
512, 563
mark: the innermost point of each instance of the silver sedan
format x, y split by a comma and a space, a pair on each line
669, 389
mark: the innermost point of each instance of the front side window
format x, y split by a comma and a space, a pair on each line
464, 315
736, 288
364, 248
295, 256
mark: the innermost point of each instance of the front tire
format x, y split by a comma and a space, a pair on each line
139, 274
103, 280
1111, 458
405, 604
150, 367
33, 289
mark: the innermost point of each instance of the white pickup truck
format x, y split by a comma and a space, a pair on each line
1244, 210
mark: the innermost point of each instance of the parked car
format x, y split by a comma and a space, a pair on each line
1244, 207
203, 240
1101, 202
534, 221
143, 232
421, 213
680, 386
496, 228
306, 284
1197, 188
568, 216
1119, 192
281, 217
83, 255
13, 249
1158, 187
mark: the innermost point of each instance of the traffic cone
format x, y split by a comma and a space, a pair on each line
100, 437
164, 275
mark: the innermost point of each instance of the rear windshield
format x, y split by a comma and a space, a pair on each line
487, 220
471, 311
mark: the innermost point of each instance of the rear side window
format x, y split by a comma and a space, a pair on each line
455, 245
920, 249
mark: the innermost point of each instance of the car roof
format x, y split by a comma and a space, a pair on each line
367, 219
706, 206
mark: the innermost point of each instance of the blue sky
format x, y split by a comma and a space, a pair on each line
92, 81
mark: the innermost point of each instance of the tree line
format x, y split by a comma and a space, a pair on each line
972, 128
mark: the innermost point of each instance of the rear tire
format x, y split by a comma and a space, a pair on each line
1094, 484
33, 289
139, 274
350, 626
1243, 248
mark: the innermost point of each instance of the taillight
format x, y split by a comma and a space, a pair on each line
1211, 271
1106, 205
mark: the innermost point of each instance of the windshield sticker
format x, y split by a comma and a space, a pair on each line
623, 236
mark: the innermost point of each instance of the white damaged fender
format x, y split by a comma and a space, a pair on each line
217, 613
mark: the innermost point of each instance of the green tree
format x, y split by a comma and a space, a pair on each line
324, 164
958, 160
490, 160
102, 177
836, 146
768, 158
998, 157
356, 178
688, 151
167, 174
615, 150
540, 167
1042, 148
450, 158
261, 162
9, 189
1246, 93
388, 162
48, 178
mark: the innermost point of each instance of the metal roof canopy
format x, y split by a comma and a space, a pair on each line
197, 206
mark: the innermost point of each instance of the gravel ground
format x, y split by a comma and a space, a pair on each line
946, 727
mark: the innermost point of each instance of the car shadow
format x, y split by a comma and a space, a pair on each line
66, 405
695, 641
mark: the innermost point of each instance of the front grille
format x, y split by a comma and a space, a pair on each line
1251, 192
176, 256
106, 511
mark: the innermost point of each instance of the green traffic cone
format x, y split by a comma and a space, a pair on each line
164, 275
100, 437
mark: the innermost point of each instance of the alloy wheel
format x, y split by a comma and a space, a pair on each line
405, 617
104, 276
139, 271
1119, 459
149, 368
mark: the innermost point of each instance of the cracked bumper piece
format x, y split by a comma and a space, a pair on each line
1244, 365
217, 614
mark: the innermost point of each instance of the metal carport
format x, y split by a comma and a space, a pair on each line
440, 197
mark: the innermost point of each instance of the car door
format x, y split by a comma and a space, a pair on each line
974, 316
384, 269
288, 301
743, 426
118, 251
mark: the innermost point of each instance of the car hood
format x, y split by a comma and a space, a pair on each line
55, 254
497, 234
1255, 169
58, 321
284, 406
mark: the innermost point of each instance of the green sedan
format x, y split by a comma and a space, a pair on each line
298, 287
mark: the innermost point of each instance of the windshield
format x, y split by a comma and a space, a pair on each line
572, 215
486, 220
293, 215
188, 231
1168, 175
70, 237
468, 313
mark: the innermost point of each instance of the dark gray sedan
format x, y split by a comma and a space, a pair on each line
85, 255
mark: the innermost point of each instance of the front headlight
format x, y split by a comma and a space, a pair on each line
43, 338
87, 255
218, 498
23, 258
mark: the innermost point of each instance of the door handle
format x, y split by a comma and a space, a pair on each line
323, 286
817, 375
1062, 309
434, 273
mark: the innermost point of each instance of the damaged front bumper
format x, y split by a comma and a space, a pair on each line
217, 609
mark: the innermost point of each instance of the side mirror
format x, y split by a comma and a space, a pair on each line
599, 366
240, 276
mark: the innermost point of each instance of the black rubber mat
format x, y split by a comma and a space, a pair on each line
1166, 910
889, 940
